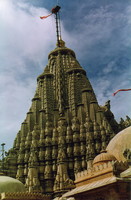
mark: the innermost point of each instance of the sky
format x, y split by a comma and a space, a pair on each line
98, 31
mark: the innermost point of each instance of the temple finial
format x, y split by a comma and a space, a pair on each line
55, 11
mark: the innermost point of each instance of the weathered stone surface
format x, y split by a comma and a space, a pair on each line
64, 119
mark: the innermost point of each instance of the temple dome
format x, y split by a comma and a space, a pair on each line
103, 157
120, 143
63, 49
8, 184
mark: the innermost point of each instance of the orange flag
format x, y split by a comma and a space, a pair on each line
120, 90
44, 17
54, 10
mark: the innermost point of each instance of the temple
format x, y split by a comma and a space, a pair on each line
64, 130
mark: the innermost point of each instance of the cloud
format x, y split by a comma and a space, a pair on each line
109, 68
15, 99
106, 85
26, 34
101, 32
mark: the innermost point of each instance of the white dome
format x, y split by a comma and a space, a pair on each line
8, 184
120, 143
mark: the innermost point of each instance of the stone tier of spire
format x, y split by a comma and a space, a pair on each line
64, 129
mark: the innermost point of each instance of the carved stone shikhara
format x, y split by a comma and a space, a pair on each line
64, 129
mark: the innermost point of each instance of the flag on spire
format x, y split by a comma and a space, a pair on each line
44, 17
120, 90
53, 11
